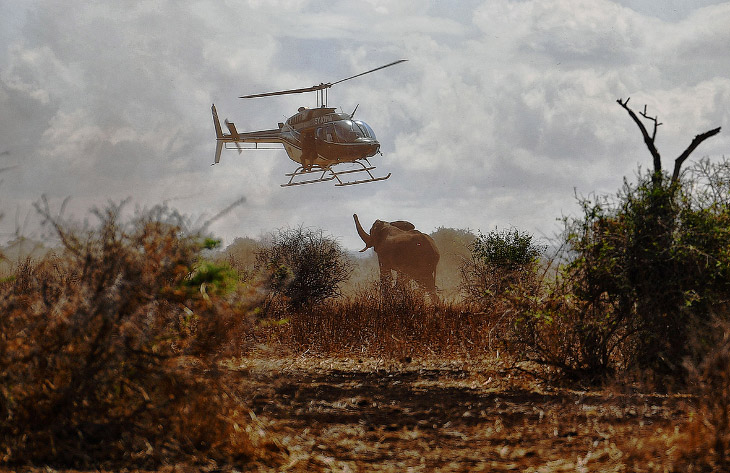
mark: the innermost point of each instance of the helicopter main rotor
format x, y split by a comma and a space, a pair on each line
321, 88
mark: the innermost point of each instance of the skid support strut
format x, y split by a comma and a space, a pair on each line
328, 174
300, 171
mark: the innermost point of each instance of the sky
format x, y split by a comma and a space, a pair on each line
503, 113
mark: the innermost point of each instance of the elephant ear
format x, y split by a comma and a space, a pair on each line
403, 225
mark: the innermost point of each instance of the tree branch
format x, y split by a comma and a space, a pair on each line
692, 146
653, 119
649, 140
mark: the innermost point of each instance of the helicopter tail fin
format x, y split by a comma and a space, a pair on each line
217, 123
219, 136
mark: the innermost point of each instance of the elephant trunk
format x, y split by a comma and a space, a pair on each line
363, 234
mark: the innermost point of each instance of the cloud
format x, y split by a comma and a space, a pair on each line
503, 109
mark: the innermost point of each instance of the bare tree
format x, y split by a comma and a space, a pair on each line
649, 140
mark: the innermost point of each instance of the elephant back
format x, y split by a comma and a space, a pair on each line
403, 225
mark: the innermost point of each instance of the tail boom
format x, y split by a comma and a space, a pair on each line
233, 136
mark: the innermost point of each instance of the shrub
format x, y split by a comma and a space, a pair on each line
656, 263
241, 256
567, 337
499, 262
108, 348
643, 273
509, 249
303, 266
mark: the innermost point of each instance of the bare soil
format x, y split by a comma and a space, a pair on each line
311, 414
372, 415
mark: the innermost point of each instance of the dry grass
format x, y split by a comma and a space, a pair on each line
109, 350
397, 322
706, 440
388, 381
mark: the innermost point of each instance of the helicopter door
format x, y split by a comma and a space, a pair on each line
328, 133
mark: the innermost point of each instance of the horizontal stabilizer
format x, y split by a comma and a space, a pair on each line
232, 128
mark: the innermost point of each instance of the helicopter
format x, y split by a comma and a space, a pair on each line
317, 139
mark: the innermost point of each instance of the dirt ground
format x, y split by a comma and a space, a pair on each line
373, 415
350, 415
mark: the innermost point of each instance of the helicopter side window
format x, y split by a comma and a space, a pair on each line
321, 135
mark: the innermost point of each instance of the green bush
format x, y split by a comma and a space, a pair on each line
500, 262
650, 267
509, 249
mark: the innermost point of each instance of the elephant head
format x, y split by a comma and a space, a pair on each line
402, 248
380, 230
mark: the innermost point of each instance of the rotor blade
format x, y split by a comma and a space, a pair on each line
368, 72
285, 92
320, 86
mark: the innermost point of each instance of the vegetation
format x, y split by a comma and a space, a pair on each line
640, 275
303, 266
108, 348
241, 256
653, 265
455, 248
383, 321
501, 262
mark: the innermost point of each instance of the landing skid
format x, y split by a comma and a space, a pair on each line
329, 174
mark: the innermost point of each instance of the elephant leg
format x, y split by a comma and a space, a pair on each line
427, 282
400, 278
386, 276
432, 289
407, 280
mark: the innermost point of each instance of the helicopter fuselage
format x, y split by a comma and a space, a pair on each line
335, 137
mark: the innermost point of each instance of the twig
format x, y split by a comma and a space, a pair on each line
649, 140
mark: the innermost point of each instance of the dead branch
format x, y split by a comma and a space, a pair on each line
695, 143
653, 119
649, 140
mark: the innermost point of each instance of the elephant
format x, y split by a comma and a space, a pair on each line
402, 248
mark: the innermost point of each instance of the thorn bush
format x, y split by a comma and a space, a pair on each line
108, 348
303, 266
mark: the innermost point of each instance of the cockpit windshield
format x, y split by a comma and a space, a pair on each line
345, 131
365, 128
